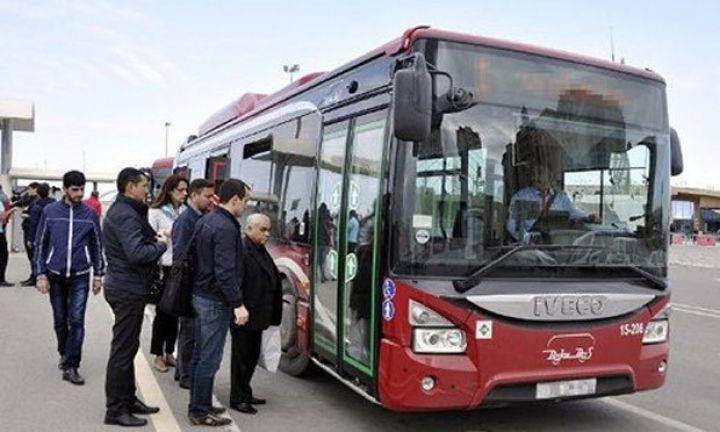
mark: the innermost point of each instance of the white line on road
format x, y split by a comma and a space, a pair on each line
152, 393
651, 415
687, 306
696, 310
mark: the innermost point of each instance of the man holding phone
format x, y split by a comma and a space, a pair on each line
132, 248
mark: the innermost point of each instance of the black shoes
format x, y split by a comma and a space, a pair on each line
139, 407
28, 282
127, 420
244, 407
61, 363
257, 401
6, 284
72, 375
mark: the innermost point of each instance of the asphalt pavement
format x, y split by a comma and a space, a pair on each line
34, 398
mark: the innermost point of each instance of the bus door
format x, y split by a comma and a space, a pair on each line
346, 256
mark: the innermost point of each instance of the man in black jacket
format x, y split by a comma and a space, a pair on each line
262, 296
132, 249
217, 295
200, 196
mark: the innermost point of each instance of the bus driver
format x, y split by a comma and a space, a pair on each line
531, 203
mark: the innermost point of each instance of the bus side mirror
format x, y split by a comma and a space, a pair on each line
676, 156
412, 101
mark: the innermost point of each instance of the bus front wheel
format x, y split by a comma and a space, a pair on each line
292, 362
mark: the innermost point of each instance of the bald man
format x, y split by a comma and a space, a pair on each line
262, 296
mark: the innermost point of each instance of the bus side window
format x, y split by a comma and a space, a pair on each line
256, 168
295, 151
218, 169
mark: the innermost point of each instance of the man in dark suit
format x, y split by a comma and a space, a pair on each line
262, 293
132, 249
218, 296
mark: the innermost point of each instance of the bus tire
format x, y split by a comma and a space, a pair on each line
292, 361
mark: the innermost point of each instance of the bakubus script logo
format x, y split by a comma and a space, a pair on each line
570, 347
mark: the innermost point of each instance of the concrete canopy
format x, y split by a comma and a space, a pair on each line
21, 113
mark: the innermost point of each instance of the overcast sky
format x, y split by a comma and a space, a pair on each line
106, 76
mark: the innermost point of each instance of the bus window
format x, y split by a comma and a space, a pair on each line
218, 169
256, 167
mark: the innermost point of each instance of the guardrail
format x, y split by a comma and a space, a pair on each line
694, 239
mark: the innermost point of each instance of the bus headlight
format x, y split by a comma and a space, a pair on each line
656, 332
439, 341
658, 328
422, 316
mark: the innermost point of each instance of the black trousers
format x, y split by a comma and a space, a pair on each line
186, 345
164, 333
164, 329
245, 354
3, 256
120, 379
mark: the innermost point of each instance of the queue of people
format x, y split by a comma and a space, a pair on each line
236, 285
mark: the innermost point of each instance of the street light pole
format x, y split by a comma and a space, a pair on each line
167, 125
291, 69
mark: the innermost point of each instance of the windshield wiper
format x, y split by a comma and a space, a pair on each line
654, 279
475, 278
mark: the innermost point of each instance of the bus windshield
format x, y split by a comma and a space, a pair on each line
570, 160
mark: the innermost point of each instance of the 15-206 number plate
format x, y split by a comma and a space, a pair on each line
558, 389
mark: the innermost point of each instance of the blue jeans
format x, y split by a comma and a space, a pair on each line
68, 297
212, 320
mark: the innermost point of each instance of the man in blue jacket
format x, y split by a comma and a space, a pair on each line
35, 211
67, 246
217, 295
132, 248
200, 193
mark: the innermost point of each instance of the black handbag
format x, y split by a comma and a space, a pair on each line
157, 286
176, 300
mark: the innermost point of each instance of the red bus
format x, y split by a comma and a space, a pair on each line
462, 221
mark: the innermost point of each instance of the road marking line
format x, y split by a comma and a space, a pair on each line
147, 383
702, 314
687, 306
651, 415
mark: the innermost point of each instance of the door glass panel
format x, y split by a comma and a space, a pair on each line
362, 213
326, 257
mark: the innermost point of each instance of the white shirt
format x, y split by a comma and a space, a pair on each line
162, 219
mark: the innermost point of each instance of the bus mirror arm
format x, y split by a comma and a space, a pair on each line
456, 99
